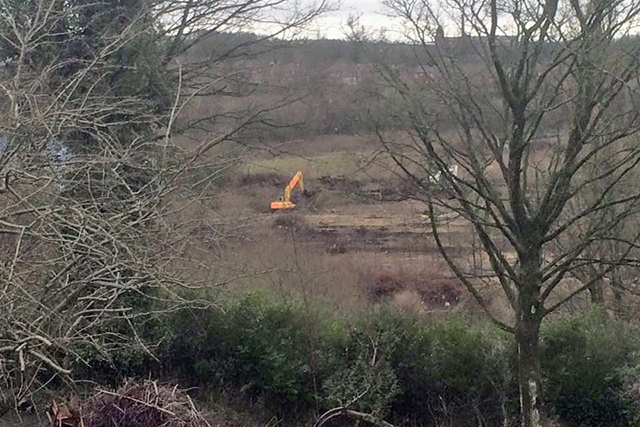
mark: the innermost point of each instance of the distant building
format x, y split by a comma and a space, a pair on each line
456, 46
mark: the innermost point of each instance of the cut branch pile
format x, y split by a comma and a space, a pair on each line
143, 404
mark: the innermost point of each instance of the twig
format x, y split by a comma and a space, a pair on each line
133, 399
356, 415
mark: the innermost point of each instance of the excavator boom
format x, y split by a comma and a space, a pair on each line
297, 178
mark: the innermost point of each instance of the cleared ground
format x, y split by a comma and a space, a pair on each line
356, 242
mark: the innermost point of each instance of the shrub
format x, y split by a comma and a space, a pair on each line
273, 351
117, 353
111, 369
292, 361
450, 372
631, 391
363, 375
581, 361
196, 346
259, 348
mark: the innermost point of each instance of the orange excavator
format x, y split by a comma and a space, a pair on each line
285, 202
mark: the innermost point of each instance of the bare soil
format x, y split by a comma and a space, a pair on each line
351, 234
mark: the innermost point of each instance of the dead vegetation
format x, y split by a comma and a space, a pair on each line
143, 404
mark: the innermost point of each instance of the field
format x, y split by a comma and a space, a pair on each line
359, 240
354, 243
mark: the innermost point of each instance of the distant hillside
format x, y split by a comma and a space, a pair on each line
324, 86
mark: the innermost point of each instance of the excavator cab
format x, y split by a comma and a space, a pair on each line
285, 201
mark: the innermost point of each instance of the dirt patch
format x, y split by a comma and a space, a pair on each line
371, 237
362, 239
437, 292
405, 281
290, 221
374, 236
368, 193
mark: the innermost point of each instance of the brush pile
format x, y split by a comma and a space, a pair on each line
142, 404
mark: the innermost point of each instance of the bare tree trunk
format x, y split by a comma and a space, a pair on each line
528, 338
596, 291
518, 205
619, 307
595, 288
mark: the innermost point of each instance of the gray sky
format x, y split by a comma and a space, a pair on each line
369, 11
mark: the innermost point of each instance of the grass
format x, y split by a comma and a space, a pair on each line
336, 176
362, 166
329, 164
290, 270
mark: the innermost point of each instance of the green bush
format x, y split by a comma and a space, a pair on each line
273, 351
631, 391
582, 357
258, 348
112, 368
363, 375
450, 372
293, 362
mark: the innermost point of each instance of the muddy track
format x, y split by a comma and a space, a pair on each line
357, 232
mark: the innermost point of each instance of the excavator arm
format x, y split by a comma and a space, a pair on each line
297, 179
286, 202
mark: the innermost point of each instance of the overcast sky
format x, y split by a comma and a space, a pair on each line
370, 12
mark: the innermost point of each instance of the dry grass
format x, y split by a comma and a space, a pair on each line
338, 178
285, 263
292, 270
329, 164
399, 278
323, 144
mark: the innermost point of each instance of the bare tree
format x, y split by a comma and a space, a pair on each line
613, 288
536, 104
92, 184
